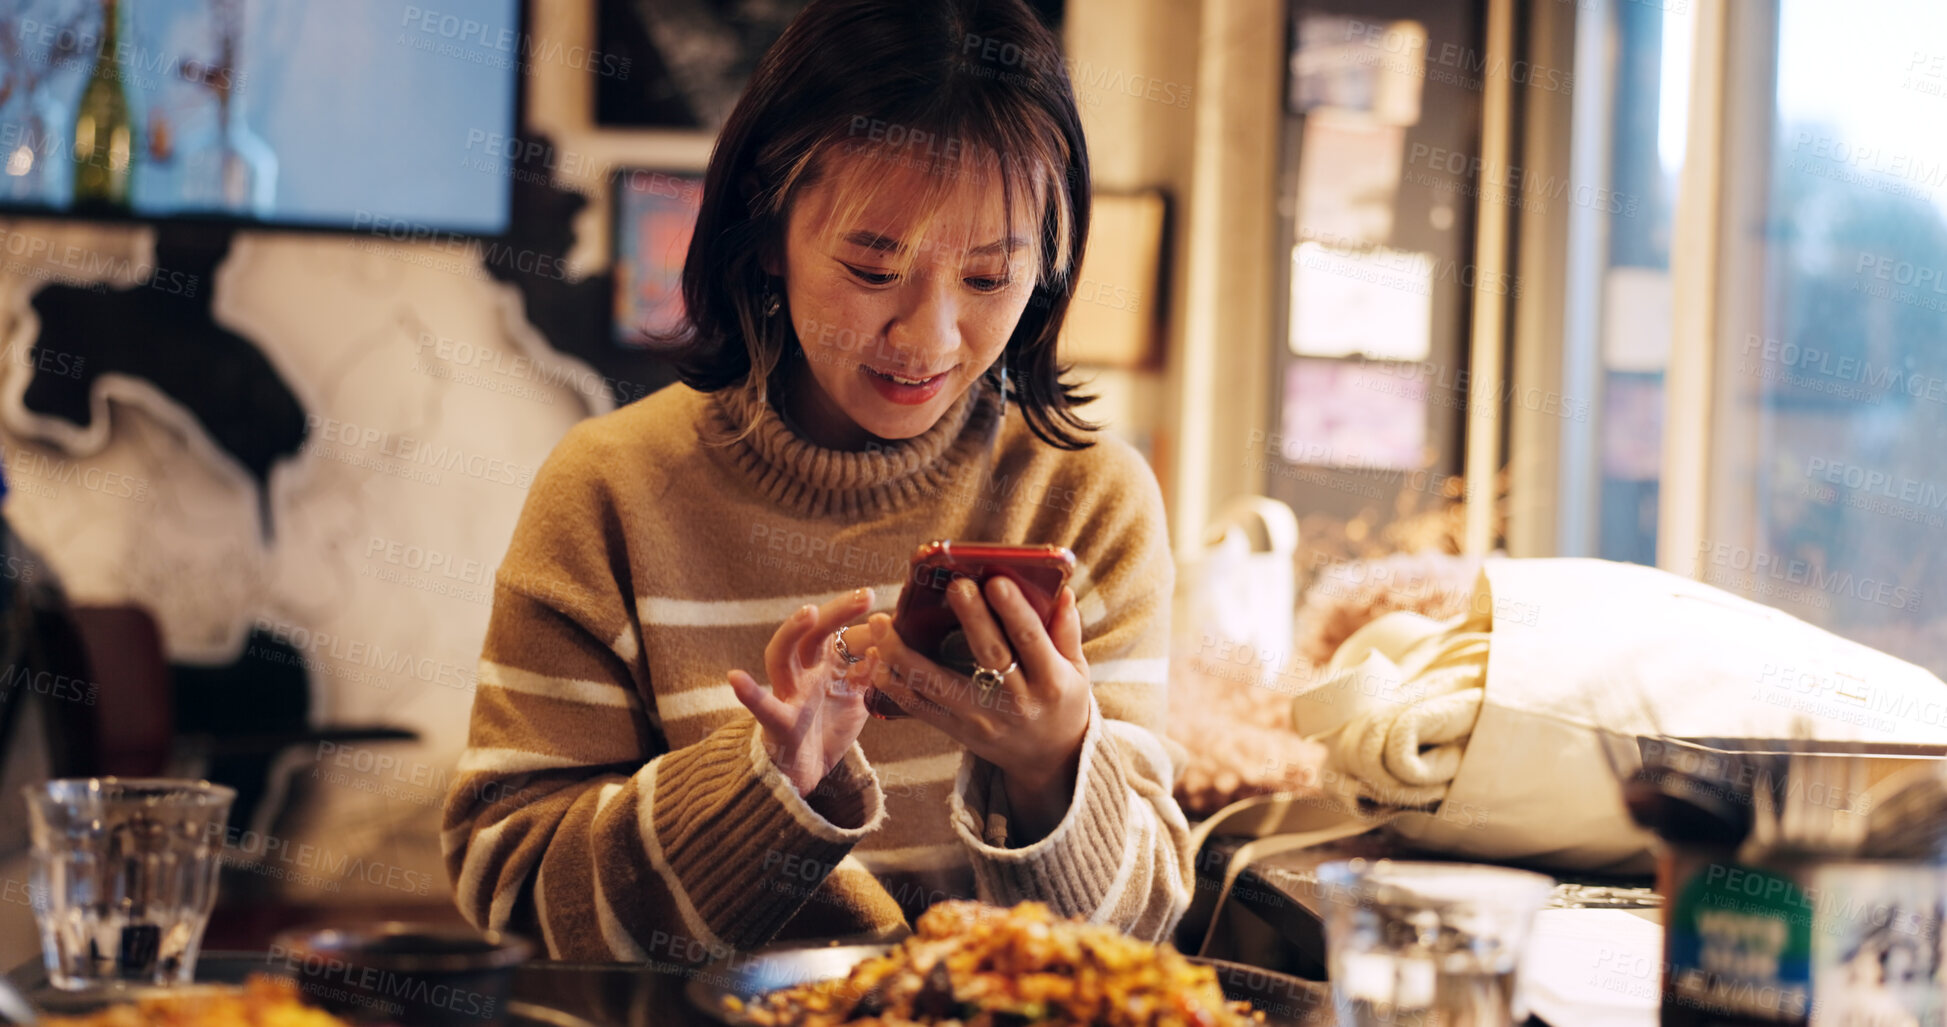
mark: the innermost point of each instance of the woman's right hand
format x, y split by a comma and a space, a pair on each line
815, 707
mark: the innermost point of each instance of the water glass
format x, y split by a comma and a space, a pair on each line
1411, 944
126, 874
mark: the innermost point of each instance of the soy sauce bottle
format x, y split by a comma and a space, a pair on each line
1736, 937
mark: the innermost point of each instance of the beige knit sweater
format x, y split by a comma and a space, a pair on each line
614, 799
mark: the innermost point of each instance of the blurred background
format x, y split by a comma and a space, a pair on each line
295, 297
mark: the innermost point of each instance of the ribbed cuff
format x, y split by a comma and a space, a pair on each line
746, 848
847, 800
1074, 868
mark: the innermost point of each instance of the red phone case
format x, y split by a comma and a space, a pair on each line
929, 626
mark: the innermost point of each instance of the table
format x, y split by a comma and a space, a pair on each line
1273, 913
632, 995
618, 994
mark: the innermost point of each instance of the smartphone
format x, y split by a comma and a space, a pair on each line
929, 626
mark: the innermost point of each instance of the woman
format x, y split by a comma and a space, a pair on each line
658, 769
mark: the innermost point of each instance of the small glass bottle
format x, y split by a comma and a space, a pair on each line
104, 130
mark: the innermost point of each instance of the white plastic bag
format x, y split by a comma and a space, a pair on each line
1243, 591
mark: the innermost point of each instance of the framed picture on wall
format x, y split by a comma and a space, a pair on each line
655, 214
1114, 316
688, 62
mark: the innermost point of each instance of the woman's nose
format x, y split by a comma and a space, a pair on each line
928, 319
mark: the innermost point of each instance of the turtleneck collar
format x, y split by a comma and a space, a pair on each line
811, 481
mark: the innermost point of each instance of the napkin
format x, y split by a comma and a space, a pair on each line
1594, 968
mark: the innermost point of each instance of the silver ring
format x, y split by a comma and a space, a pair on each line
844, 652
987, 678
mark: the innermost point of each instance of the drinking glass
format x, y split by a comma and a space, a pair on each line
126, 874
1411, 944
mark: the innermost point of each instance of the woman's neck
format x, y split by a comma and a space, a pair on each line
797, 466
807, 410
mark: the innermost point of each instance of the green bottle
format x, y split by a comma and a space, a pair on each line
104, 135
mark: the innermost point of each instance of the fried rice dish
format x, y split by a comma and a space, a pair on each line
983, 966
261, 1002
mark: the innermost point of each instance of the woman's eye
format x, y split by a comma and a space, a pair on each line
989, 284
872, 277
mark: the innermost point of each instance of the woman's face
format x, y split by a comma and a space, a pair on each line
890, 351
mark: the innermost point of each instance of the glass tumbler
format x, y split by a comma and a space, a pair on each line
125, 872
1427, 944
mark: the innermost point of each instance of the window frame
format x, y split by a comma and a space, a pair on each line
1716, 267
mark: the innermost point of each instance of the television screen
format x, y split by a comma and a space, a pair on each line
354, 114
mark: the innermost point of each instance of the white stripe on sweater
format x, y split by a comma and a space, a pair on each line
510, 761
503, 908
625, 646
698, 702
473, 868
1172, 869
453, 839
653, 847
1089, 607
1138, 828
588, 693
541, 910
620, 943
667, 612
919, 770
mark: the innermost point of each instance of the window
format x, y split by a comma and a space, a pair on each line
1765, 317
1730, 253
1623, 198
1827, 492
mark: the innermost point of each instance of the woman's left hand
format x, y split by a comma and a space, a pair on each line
1031, 724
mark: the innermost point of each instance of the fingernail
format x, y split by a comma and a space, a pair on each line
965, 587
1005, 588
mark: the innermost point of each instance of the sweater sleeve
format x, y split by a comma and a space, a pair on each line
570, 819
1120, 854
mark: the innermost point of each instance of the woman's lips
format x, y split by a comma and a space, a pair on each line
904, 389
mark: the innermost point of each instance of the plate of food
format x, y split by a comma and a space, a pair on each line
986, 966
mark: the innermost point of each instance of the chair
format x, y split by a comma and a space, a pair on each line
146, 717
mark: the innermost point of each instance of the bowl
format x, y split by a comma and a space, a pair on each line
414, 975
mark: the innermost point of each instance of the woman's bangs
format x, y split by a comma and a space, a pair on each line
912, 182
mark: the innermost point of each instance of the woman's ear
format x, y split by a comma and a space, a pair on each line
770, 255
751, 191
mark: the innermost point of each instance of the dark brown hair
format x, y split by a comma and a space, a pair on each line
959, 87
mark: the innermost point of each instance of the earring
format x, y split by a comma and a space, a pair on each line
771, 302
1003, 418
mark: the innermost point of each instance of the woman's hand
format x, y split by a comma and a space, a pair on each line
814, 709
1031, 724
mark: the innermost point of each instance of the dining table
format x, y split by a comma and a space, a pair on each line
1270, 912
550, 993
1259, 926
